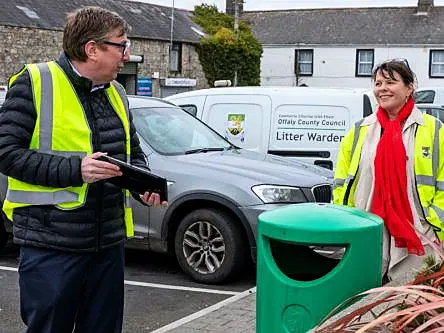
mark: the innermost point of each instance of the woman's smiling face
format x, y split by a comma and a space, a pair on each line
391, 93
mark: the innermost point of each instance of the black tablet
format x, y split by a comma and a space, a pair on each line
137, 179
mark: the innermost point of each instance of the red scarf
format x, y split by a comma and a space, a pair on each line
390, 200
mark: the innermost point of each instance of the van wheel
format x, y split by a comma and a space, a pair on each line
209, 247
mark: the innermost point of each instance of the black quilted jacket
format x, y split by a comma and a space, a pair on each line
100, 222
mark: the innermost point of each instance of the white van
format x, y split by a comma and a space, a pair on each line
295, 122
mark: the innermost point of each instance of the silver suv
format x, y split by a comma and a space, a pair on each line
216, 192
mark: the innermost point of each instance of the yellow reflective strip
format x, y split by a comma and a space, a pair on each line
34, 73
15, 76
356, 135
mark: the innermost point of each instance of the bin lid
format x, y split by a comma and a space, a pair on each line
314, 221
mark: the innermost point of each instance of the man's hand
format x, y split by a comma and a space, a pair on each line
94, 170
153, 199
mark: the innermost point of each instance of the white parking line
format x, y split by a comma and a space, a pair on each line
157, 285
171, 287
11, 269
204, 312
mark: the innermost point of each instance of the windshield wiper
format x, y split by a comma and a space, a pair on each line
202, 150
231, 146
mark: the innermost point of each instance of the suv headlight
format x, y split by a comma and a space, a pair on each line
277, 194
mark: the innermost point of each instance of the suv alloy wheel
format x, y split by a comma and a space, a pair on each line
209, 246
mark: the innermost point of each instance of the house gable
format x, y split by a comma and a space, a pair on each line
339, 47
348, 26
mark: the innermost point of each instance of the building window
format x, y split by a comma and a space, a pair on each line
303, 64
364, 62
436, 67
175, 61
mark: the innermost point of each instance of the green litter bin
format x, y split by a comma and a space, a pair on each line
297, 284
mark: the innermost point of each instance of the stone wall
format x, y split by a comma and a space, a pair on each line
24, 45
156, 60
29, 45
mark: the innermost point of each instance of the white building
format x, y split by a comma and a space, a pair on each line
338, 47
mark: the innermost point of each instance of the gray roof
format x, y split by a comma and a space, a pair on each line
348, 26
147, 20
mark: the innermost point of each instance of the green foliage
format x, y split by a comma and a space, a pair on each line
221, 53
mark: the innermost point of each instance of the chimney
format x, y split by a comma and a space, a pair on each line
423, 6
229, 6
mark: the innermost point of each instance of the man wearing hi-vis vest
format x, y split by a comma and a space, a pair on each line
58, 118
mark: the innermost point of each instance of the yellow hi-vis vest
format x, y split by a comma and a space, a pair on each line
428, 169
62, 129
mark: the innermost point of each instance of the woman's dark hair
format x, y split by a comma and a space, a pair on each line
400, 66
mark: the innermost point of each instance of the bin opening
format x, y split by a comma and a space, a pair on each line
305, 262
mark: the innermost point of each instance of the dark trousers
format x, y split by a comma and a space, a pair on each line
63, 292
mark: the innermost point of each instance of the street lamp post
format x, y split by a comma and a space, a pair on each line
172, 27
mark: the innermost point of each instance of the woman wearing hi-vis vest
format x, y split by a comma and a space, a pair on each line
391, 164
71, 225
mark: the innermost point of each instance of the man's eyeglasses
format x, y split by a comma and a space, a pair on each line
124, 47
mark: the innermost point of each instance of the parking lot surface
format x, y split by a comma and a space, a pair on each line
158, 296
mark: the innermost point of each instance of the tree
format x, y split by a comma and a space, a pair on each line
221, 53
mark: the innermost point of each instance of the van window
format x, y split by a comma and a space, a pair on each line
424, 96
191, 109
367, 106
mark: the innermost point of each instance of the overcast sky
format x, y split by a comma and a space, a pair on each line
289, 4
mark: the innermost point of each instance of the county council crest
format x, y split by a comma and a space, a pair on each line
235, 128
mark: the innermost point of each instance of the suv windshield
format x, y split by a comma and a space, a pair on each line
172, 131
2, 92
435, 111
424, 96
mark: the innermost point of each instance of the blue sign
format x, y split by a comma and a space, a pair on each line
145, 86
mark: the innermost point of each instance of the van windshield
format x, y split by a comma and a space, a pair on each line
172, 131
